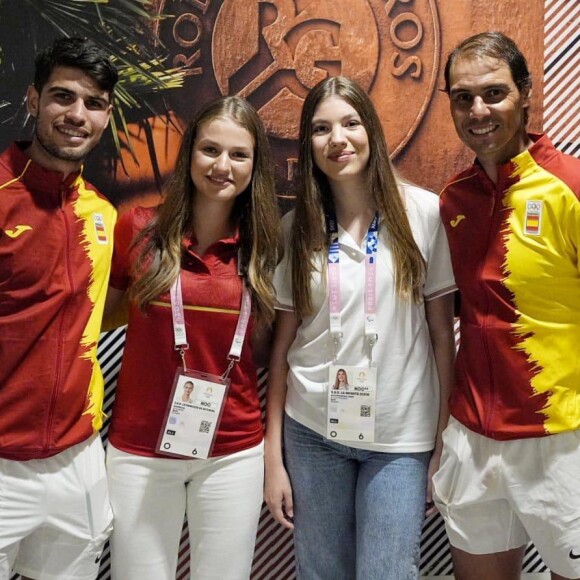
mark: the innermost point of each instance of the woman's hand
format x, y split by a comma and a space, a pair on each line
278, 494
430, 507
277, 488
439, 313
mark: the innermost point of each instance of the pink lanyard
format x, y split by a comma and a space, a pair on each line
371, 335
179, 332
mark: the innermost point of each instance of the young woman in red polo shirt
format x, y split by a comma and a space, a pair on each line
191, 268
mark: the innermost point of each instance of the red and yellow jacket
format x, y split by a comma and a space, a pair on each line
56, 241
515, 248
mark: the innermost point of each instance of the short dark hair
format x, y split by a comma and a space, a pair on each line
76, 52
493, 45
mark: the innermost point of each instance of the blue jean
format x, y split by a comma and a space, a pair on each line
357, 514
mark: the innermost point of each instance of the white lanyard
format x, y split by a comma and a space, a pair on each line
370, 300
179, 333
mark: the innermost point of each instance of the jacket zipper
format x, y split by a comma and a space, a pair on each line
491, 233
61, 329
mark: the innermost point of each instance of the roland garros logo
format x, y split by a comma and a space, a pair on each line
274, 51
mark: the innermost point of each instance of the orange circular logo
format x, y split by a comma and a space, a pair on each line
282, 51
274, 51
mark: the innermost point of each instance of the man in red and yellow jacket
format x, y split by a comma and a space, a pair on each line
56, 238
510, 468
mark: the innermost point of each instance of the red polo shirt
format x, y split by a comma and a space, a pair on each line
212, 291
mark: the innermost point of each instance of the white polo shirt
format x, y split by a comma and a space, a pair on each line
407, 403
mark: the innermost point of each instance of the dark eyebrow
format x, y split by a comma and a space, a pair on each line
207, 141
57, 89
96, 97
501, 86
344, 118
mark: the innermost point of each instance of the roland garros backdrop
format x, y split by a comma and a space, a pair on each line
176, 55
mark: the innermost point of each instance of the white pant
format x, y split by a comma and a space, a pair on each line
222, 497
54, 514
498, 495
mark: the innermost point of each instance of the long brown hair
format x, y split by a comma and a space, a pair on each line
255, 213
310, 234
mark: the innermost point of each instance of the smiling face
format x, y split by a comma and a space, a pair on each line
340, 143
341, 376
222, 161
71, 114
187, 390
488, 109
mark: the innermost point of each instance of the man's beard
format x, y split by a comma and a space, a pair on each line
76, 154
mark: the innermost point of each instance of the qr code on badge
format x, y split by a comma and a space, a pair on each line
365, 410
204, 426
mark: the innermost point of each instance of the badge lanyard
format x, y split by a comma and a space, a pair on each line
370, 302
179, 332
190, 424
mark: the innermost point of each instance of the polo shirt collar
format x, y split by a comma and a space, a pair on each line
231, 240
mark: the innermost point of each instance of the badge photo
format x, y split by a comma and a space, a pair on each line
193, 415
351, 403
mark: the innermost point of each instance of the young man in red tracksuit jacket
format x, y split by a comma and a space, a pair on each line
56, 237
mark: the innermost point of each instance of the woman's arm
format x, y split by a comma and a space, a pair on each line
439, 314
277, 489
261, 344
116, 309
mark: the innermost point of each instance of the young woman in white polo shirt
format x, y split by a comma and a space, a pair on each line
365, 287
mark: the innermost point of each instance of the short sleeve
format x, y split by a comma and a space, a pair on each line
283, 273
439, 279
121, 265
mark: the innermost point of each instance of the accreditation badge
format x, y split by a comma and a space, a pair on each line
352, 393
193, 414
